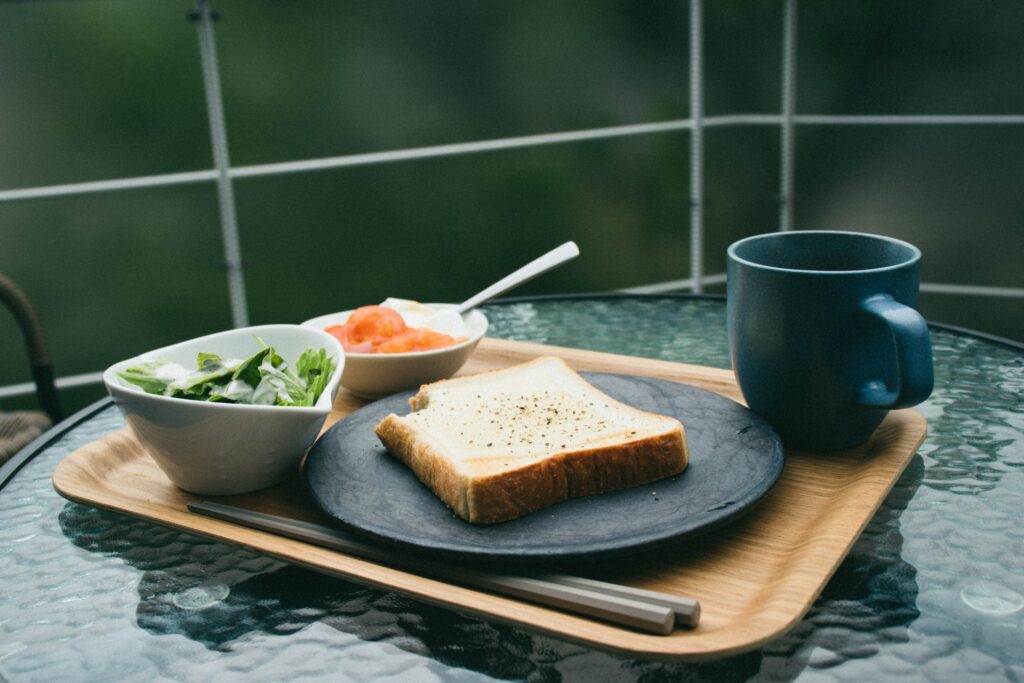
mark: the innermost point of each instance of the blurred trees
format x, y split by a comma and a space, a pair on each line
112, 89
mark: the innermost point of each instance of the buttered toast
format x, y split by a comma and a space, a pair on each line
498, 445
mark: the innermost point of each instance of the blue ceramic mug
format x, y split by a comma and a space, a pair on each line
824, 336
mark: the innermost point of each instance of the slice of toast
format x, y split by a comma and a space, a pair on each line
498, 445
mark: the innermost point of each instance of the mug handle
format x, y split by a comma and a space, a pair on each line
913, 356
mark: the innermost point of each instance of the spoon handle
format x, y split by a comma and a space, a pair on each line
538, 266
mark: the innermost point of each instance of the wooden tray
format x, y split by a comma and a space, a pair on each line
754, 578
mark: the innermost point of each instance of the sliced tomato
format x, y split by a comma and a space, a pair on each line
416, 339
373, 324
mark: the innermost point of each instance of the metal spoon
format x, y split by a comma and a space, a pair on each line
538, 266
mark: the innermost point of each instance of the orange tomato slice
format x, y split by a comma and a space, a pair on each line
376, 329
416, 339
373, 324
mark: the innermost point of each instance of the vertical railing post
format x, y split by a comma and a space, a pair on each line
697, 146
219, 144
788, 106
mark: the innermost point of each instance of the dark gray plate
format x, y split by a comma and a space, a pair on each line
735, 457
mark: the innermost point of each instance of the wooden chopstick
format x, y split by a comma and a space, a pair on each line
623, 605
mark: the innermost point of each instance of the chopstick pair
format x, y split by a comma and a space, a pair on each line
635, 608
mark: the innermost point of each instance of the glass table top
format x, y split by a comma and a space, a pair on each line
932, 590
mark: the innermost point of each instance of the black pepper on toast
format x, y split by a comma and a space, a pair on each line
501, 444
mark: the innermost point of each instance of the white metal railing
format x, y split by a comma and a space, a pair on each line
326, 163
219, 145
697, 146
500, 144
787, 137
223, 174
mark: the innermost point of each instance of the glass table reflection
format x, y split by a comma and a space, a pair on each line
932, 590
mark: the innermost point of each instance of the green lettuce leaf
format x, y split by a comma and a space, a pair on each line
144, 375
315, 368
249, 370
204, 359
212, 371
262, 379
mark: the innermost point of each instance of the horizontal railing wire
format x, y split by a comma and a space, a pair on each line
673, 285
668, 287
499, 144
346, 161
67, 382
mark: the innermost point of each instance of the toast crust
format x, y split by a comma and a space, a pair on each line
429, 465
499, 498
530, 483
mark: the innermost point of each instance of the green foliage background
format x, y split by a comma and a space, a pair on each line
112, 89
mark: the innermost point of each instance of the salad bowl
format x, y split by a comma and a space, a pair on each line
216, 447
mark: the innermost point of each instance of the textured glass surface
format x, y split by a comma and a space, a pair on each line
931, 591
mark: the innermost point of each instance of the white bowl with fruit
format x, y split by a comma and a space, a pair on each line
401, 344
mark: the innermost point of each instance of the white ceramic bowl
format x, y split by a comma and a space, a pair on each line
373, 375
225, 448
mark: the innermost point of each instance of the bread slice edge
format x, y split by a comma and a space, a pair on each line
571, 474
504, 496
416, 450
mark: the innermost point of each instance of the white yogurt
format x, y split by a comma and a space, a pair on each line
416, 314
